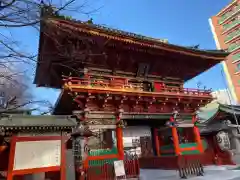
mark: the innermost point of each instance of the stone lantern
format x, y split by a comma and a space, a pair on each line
79, 136
80, 149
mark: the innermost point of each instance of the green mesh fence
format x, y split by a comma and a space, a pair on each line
185, 145
102, 152
102, 162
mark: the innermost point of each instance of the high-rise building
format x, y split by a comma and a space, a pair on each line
225, 27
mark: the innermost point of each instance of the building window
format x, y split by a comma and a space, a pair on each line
238, 67
235, 57
225, 26
232, 35
234, 46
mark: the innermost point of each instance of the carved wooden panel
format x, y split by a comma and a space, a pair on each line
117, 83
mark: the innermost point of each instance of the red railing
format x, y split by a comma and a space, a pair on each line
108, 84
164, 162
106, 171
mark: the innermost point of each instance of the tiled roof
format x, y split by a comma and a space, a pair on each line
208, 113
34, 122
77, 24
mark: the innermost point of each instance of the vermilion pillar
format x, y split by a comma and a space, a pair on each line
157, 144
197, 135
175, 138
119, 136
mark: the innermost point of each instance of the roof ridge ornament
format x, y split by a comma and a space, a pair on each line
90, 21
194, 47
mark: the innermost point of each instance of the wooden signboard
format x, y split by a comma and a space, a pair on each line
37, 154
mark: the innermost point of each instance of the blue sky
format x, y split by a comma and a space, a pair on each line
182, 22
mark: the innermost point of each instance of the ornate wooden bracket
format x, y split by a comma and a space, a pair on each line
121, 102
136, 102
78, 101
102, 99
148, 104
82, 115
81, 103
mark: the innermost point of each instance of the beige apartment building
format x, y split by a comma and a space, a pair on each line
225, 27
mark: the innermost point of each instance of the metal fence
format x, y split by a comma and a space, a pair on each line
189, 168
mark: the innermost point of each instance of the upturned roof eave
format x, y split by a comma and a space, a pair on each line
229, 109
76, 25
213, 57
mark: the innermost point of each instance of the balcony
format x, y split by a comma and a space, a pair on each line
107, 86
227, 27
235, 57
228, 15
232, 35
233, 47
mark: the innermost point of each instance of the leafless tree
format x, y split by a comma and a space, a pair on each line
14, 89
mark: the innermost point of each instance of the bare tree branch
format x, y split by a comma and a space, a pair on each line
16, 14
4, 4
